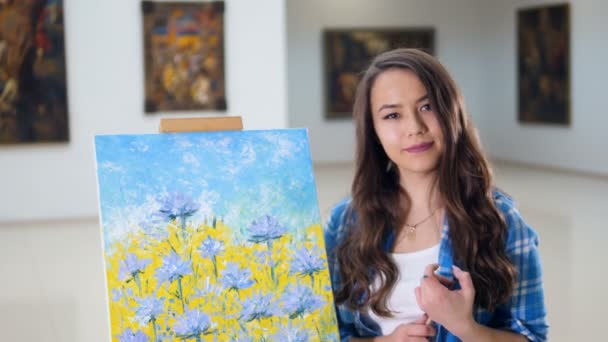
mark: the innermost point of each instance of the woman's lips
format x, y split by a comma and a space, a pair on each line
419, 147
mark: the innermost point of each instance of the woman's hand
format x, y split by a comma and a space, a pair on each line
418, 331
451, 309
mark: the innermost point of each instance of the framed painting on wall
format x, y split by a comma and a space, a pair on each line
184, 56
543, 64
33, 87
348, 52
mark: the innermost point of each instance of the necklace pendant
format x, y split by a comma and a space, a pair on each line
410, 233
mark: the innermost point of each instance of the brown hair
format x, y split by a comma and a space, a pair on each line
464, 180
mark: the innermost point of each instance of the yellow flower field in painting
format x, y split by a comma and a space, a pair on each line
210, 283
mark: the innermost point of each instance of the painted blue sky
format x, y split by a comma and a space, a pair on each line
237, 175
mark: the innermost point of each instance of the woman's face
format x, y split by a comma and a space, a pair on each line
406, 122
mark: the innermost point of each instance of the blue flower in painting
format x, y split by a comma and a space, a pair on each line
291, 335
211, 248
243, 339
236, 278
173, 267
257, 307
132, 266
299, 300
154, 226
265, 258
116, 295
177, 205
307, 262
265, 229
209, 289
129, 336
192, 324
148, 309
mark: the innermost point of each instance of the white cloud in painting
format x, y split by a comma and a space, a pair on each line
284, 148
234, 218
190, 159
240, 161
207, 201
185, 182
131, 194
130, 218
138, 146
112, 167
221, 146
182, 143
231, 168
247, 154
269, 194
295, 184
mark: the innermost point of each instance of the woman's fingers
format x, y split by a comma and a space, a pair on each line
420, 330
429, 270
445, 281
465, 280
422, 319
418, 293
412, 332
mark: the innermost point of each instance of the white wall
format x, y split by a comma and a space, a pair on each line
104, 50
581, 146
457, 35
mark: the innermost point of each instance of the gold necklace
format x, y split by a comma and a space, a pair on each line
410, 231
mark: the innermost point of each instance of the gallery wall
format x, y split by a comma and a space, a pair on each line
582, 145
104, 51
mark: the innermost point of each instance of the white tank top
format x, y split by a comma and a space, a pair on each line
402, 300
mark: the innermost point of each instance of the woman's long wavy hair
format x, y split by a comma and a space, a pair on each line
477, 230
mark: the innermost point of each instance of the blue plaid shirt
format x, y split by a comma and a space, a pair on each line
524, 313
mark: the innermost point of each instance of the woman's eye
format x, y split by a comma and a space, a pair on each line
426, 107
391, 116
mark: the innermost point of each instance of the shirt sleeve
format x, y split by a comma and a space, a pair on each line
332, 229
525, 312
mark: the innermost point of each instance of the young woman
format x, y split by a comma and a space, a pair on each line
427, 248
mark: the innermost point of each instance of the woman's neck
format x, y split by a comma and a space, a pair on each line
422, 191
423, 213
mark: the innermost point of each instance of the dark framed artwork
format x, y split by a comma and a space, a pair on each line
543, 58
184, 56
33, 87
348, 52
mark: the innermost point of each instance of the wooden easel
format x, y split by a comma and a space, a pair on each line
206, 124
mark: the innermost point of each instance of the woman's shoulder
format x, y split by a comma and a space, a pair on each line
341, 207
336, 223
338, 213
519, 233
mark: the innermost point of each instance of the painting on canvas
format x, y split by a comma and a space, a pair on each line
33, 86
213, 236
543, 59
184, 56
348, 53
